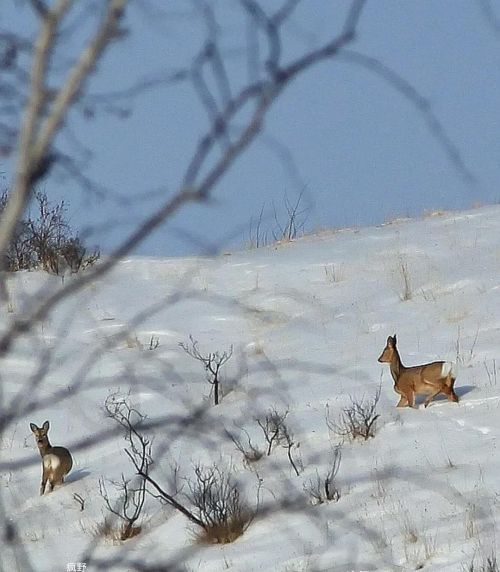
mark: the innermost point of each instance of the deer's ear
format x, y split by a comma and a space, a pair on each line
390, 341
46, 426
394, 339
33, 427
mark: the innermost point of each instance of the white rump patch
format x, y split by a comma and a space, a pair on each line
51, 462
447, 369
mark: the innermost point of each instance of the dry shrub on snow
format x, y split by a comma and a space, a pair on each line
325, 489
218, 504
46, 241
358, 419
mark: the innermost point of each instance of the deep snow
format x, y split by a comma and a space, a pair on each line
307, 321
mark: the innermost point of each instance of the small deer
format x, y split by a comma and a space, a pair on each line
429, 379
56, 461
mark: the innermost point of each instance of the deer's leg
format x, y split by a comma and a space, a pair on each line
44, 482
403, 402
431, 396
452, 396
411, 398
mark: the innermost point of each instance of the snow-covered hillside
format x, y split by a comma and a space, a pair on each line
307, 321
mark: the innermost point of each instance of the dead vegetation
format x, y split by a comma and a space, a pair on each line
45, 240
358, 419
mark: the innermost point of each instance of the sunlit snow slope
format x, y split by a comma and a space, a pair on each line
306, 321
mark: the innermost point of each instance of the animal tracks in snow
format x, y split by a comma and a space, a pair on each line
468, 426
480, 401
462, 423
468, 404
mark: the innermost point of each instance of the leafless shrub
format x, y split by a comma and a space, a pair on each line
289, 222
487, 564
358, 419
127, 508
274, 428
140, 454
491, 371
154, 343
72, 256
130, 504
79, 500
218, 504
212, 362
251, 453
257, 236
276, 432
404, 274
288, 443
45, 240
465, 358
324, 489
295, 219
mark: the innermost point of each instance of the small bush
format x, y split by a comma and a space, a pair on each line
276, 432
212, 363
251, 453
218, 504
404, 274
274, 427
45, 240
294, 221
289, 222
358, 419
127, 510
325, 489
154, 343
488, 564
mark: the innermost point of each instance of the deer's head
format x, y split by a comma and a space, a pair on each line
40, 434
389, 350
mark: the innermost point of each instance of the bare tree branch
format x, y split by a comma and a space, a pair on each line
39, 7
27, 168
38, 133
423, 105
263, 94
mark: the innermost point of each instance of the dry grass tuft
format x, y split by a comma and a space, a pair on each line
223, 514
227, 531
117, 532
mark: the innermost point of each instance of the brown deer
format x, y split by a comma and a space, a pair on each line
429, 379
56, 461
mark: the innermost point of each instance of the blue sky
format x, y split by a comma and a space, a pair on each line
362, 151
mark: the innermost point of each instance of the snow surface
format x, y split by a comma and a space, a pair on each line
307, 321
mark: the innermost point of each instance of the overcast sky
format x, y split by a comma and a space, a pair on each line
361, 151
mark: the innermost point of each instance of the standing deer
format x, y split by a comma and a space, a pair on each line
56, 461
429, 379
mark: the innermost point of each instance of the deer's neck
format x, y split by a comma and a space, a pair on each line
396, 366
44, 449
